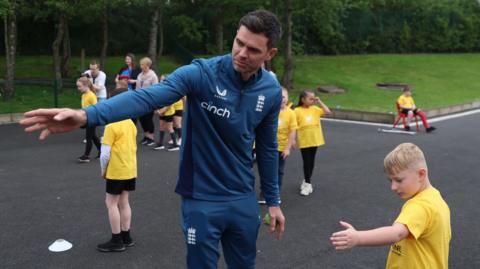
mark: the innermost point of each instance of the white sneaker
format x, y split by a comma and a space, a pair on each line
179, 141
303, 185
307, 190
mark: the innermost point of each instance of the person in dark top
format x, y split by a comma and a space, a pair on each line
130, 70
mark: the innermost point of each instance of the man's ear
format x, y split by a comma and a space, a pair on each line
271, 53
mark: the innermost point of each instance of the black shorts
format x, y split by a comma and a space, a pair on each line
117, 186
167, 118
405, 111
178, 113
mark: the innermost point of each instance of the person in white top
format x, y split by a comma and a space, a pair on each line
98, 79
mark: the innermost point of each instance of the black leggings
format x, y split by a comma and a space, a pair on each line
91, 136
308, 156
147, 123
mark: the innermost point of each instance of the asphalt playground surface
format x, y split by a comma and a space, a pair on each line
47, 195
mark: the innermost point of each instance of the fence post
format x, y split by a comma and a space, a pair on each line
82, 60
55, 93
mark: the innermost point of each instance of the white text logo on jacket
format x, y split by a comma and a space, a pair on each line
222, 112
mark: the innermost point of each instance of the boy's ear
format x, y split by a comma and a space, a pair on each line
422, 173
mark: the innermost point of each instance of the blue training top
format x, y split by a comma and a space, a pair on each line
224, 115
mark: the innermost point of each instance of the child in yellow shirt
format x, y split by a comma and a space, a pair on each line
287, 126
420, 236
309, 134
85, 86
408, 107
118, 162
177, 118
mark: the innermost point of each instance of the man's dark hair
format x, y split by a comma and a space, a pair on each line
263, 22
95, 62
118, 90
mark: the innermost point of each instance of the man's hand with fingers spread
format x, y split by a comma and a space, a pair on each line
52, 121
345, 239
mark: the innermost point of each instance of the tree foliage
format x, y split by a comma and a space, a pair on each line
208, 26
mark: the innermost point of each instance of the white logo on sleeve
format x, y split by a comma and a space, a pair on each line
191, 237
260, 103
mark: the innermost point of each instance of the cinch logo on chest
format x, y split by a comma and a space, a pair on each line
222, 112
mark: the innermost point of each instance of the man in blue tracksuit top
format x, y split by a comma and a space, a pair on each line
231, 102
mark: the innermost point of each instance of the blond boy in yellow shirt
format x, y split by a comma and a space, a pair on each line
420, 236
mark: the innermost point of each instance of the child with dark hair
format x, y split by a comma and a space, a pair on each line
118, 162
309, 134
408, 107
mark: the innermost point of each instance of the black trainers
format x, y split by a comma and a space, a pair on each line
407, 128
83, 159
144, 141
159, 147
431, 129
111, 246
127, 240
150, 142
173, 148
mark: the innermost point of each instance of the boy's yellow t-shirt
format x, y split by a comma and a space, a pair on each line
309, 133
170, 111
88, 99
287, 122
178, 105
427, 217
121, 136
406, 101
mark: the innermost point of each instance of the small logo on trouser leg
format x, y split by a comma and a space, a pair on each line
191, 238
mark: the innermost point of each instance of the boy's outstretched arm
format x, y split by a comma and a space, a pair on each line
350, 237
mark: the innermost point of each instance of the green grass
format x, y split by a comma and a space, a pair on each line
438, 80
42, 66
30, 97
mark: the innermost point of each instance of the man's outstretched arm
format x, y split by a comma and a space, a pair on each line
52, 121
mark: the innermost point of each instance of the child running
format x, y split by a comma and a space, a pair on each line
309, 134
118, 163
85, 86
287, 126
420, 236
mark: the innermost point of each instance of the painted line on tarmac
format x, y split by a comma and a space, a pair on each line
453, 116
359, 122
433, 120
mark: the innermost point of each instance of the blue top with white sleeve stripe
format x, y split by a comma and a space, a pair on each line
224, 115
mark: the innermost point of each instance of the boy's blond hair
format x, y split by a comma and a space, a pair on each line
403, 157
